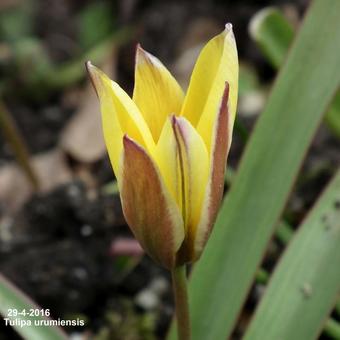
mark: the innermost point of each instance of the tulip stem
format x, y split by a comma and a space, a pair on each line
179, 283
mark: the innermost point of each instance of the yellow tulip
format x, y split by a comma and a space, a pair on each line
168, 151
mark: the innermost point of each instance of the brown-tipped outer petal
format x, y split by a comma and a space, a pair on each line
220, 148
149, 209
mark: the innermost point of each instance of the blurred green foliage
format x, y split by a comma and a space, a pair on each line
28, 60
95, 23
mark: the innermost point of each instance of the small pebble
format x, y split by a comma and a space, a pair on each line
86, 230
80, 273
259, 291
159, 285
5, 229
147, 299
73, 191
78, 336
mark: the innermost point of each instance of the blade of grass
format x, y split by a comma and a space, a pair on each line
332, 326
16, 141
284, 232
332, 329
306, 283
222, 278
332, 118
12, 298
262, 276
274, 34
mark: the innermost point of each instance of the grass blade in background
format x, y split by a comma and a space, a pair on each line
306, 283
14, 138
332, 118
222, 278
273, 33
12, 298
284, 234
332, 329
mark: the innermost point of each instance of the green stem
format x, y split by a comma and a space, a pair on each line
179, 283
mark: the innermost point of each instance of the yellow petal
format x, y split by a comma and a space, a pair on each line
149, 209
166, 159
156, 93
221, 137
119, 116
216, 65
193, 165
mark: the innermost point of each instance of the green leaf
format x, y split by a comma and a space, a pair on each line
17, 21
333, 115
332, 329
95, 23
12, 298
306, 283
305, 86
274, 34
284, 232
248, 79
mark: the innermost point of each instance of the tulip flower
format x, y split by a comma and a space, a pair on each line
168, 150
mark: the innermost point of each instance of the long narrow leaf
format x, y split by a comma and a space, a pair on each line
13, 301
332, 329
273, 33
274, 153
306, 283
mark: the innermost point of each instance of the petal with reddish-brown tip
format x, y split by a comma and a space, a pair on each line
220, 147
148, 207
120, 116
